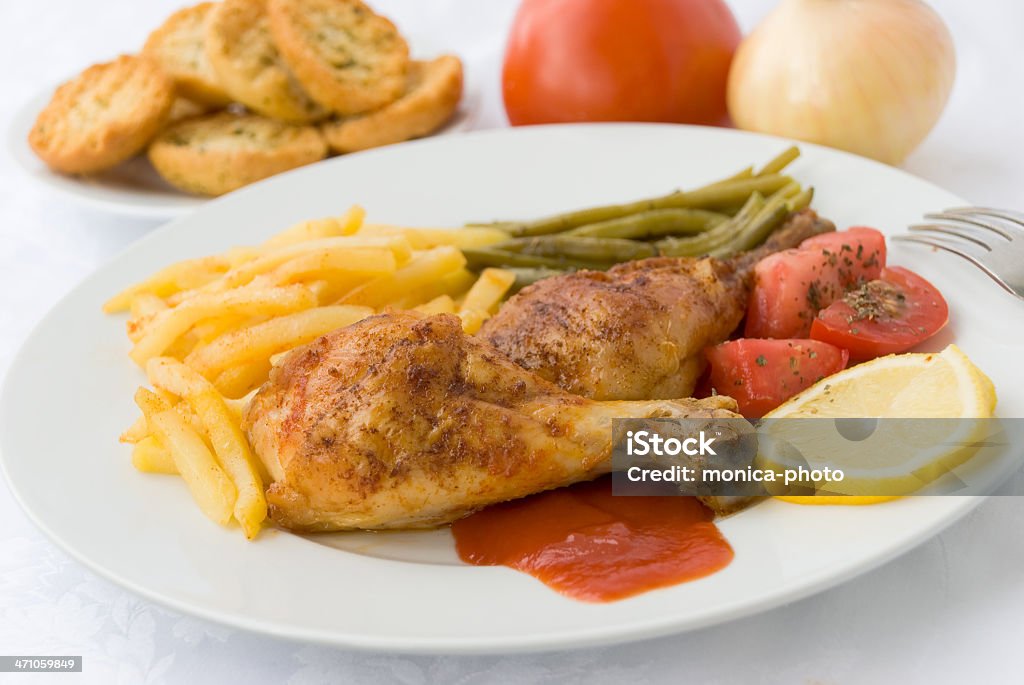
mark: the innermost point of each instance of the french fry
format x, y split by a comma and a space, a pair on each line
240, 380
346, 224
209, 485
425, 269
169, 325
211, 329
237, 406
361, 263
263, 340
146, 304
182, 346
454, 285
150, 456
144, 307
271, 259
139, 430
472, 319
185, 275
136, 432
442, 304
258, 282
486, 293
240, 255
426, 238
229, 444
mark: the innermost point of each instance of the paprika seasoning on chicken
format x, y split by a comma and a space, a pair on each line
592, 546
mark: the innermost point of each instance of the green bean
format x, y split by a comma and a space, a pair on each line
478, 258
528, 276
731, 209
719, 194
719, 235
724, 194
787, 191
653, 224
780, 162
757, 230
801, 200
740, 175
754, 233
580, 247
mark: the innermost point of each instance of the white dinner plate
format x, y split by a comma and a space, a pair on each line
69, 394
134, 188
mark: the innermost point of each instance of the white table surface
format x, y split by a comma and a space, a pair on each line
951, 610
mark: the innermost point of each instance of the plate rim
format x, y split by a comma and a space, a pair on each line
601, 635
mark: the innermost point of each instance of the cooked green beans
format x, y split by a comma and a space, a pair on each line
780, 162
586, 248
655, 223
747, 172
802, 200
722, 218
704, 243
719, 194
481, 257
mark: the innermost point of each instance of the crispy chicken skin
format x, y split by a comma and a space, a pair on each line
402, 421
638, 330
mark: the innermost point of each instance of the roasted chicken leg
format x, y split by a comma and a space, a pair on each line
638, 330
402, 420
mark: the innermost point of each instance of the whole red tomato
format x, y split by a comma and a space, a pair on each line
619, 60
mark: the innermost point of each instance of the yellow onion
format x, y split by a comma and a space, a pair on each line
867, 76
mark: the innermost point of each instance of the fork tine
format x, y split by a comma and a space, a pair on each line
972, 220
938, 244
1005, 214
954, 231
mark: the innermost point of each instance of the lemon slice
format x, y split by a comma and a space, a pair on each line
888, 457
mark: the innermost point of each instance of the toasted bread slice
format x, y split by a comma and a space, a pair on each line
242, 52
183, 108
433, 92
103, 116
347, 58
217, 153
177, 46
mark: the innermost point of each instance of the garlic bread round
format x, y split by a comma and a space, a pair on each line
103, 116
217, 153
432, 94
183, 108
348, 58
177, 46
243, 54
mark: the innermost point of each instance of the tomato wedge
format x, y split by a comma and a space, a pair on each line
791, 286
762, 374
888, 315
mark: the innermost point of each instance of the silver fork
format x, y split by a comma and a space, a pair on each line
997, 249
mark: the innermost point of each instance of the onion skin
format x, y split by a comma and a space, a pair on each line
866, 76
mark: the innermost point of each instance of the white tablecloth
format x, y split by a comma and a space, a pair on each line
949, 611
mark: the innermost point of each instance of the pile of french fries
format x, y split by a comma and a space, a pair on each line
208, 331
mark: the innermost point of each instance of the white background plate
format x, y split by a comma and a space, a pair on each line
135, 188
68, 395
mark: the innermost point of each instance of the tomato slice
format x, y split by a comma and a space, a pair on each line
792, 286
762, 374
891, 314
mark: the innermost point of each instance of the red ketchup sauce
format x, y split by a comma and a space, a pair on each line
589, 545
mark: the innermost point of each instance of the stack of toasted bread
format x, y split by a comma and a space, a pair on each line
226, 93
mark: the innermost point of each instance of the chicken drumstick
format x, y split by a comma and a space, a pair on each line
402, 420
638, 330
